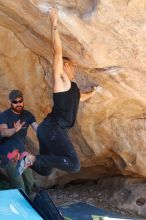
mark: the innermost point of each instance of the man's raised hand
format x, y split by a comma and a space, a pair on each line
18, 125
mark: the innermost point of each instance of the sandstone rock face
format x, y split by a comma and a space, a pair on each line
107, 42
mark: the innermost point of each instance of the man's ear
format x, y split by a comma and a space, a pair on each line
66, 64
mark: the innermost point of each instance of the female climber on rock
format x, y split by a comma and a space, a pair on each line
56, 149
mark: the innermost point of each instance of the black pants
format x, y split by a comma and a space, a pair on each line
56, 150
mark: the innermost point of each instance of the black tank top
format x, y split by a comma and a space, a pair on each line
66, 106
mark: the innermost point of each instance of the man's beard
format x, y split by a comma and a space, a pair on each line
17, 109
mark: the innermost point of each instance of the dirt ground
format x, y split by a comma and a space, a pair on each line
85, 192
88, 192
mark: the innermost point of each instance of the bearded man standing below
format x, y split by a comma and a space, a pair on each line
14, 123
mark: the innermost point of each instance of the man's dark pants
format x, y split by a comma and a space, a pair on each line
26, 181
56, 149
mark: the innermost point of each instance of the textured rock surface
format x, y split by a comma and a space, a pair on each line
122, 195
107, 41
125, 193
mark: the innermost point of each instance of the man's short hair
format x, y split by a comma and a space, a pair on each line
66, 60
14, 94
